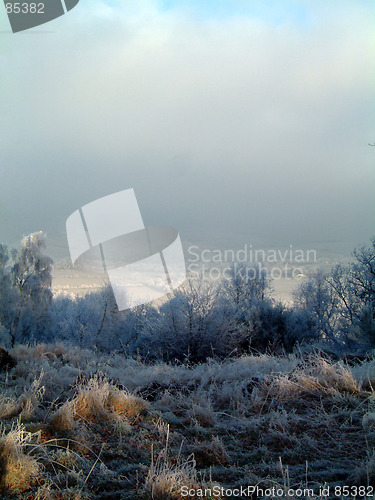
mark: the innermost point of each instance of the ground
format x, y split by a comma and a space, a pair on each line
79, 425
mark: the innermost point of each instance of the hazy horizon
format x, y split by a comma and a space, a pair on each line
234, 122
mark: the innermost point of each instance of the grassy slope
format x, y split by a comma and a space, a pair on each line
78, 425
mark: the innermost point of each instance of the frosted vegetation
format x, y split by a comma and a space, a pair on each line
219, 385
202, 320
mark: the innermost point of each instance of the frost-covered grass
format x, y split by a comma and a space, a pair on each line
82, 425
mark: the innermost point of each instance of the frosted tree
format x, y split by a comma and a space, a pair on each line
361, 281
245, 284
363, 273
191, 326
93, 321
343, 301
6, 295
317, 297
31, 281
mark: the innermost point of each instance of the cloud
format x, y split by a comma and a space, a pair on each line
238, 124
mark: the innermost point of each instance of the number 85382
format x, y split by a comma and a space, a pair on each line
24, 8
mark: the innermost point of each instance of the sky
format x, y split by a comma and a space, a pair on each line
235, 121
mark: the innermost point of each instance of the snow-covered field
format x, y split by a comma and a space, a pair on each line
79, 283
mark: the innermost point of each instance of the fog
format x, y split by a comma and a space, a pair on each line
232, 124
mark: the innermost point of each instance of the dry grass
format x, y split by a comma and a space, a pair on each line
18, 470
63, 419
123, 403
26, 404
315, 376
81, 426
211, 452
100, 399
164, 479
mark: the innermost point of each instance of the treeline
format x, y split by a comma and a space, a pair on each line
335, 311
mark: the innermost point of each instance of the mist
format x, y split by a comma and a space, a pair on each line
235, 125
